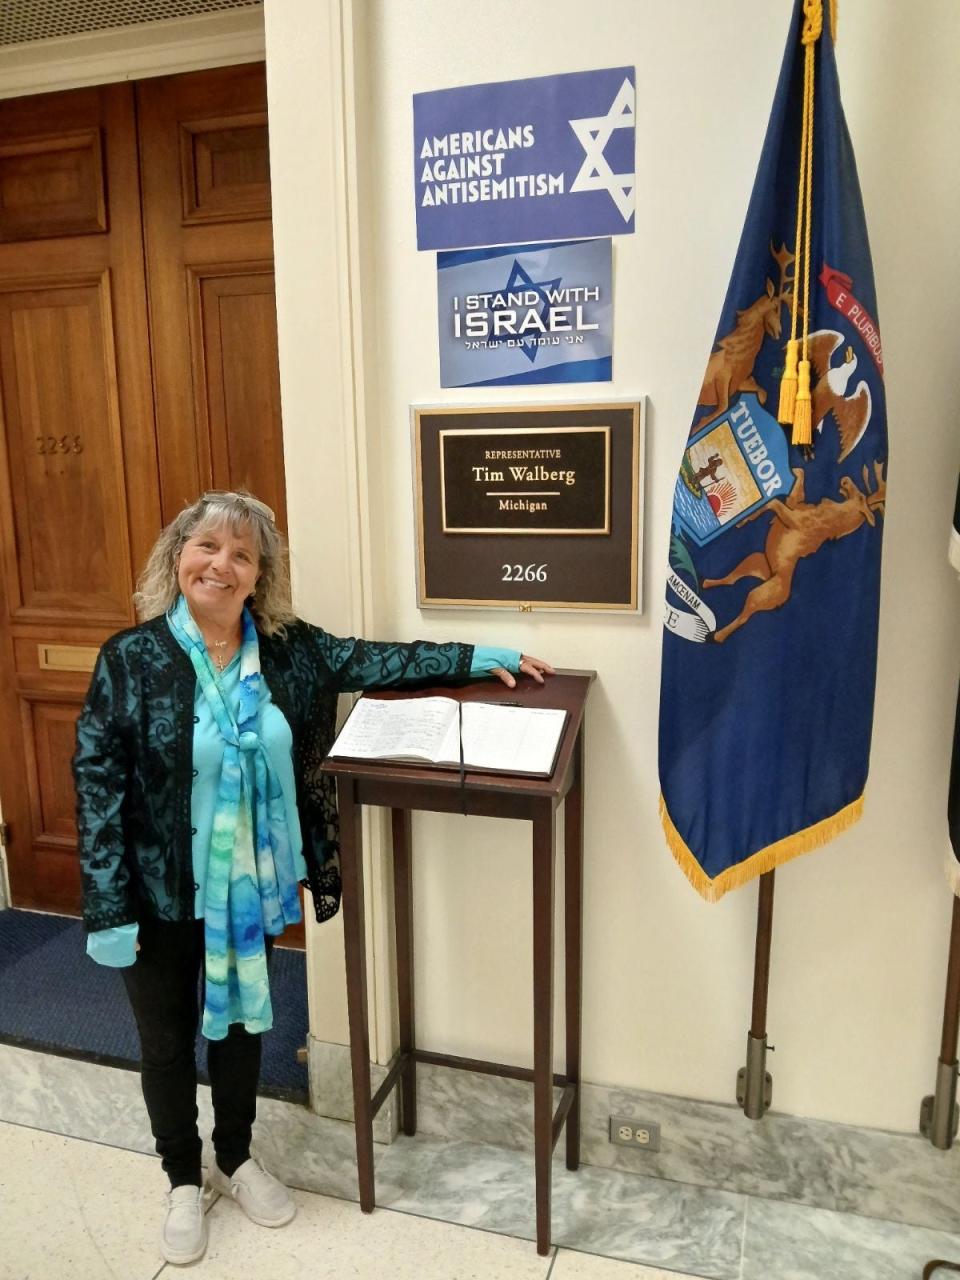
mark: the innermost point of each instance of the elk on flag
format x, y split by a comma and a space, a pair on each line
770, 639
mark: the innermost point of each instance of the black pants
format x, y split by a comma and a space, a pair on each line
163, 989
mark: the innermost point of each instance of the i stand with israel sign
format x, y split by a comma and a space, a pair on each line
549, 158
526, 314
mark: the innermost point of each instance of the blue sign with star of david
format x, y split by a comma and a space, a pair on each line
549, 158
528, 313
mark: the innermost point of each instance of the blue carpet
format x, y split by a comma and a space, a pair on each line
54, 998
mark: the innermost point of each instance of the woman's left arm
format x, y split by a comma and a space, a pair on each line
368, 664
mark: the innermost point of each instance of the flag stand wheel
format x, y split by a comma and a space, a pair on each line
754, 1082
939, 1112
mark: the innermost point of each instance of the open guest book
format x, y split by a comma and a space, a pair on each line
496, 737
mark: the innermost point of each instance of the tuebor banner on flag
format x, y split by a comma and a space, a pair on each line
770, 638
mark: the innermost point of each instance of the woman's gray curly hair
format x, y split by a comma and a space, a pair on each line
239, 512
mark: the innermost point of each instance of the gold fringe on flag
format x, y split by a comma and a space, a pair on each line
768, 859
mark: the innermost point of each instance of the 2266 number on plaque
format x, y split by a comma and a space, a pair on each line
523, 573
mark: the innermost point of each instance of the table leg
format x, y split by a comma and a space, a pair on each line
355, 945
573, 932
544, 851
403, 913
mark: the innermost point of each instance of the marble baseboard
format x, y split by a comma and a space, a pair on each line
331, 1088
843, 1168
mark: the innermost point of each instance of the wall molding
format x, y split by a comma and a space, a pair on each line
310, 58
132, 53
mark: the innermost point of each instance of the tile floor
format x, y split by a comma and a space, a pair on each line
72, 1209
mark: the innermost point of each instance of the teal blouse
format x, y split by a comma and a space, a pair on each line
117, 947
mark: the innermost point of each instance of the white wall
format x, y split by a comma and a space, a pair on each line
861, 927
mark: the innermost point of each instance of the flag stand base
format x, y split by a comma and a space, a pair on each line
754, 1082
939, 1113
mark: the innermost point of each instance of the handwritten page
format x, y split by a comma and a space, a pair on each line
378, 729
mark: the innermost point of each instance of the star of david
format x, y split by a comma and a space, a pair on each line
593, 133
519, 279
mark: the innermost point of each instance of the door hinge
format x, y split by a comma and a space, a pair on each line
4, 835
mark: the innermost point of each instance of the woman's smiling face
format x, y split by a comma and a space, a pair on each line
217, 571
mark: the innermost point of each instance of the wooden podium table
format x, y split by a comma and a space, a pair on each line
402, 788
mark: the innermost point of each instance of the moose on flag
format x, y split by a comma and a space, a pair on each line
770, 638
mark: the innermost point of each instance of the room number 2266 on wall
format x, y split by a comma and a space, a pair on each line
523, 573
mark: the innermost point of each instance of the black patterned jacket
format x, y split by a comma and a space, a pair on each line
133, 765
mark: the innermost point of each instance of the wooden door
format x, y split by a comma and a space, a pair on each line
138, 367
79, 498
209, 249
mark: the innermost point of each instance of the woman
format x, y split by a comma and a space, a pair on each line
201, 806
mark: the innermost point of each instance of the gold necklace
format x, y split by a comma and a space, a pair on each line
219, 645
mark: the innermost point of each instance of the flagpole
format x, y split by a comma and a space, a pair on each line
754, 1082
938, 1111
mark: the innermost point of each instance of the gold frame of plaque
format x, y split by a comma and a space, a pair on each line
532, 506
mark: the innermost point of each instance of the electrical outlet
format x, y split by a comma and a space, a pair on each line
626, 1131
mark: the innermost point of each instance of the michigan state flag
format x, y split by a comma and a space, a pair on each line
770, 640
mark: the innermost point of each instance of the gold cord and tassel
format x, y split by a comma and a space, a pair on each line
795, 406
788, 385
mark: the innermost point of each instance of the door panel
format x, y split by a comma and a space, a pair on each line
52, 187
225, 163
48, 736
50, 731
64, 453
233, 319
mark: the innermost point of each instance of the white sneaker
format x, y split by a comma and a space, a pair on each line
261, 1196
184, 1235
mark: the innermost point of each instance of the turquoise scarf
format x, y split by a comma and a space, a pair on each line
251, 887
